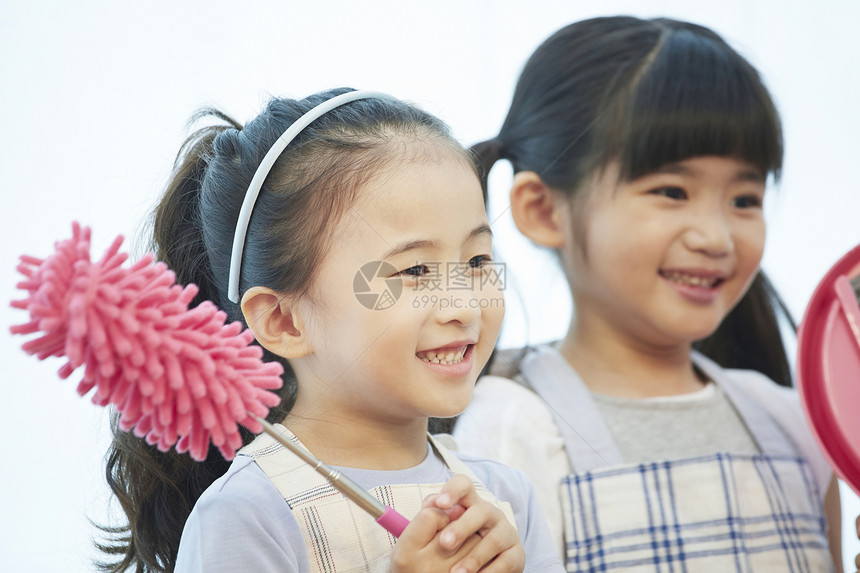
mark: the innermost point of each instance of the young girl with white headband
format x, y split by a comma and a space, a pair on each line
318, 224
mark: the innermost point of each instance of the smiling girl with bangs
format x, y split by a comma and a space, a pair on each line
659, 431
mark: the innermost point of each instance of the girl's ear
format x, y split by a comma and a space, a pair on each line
275, 322
537, 210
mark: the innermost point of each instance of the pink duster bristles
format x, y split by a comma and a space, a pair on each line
176, 375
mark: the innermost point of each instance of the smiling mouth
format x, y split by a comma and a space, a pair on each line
444, 355
691, 280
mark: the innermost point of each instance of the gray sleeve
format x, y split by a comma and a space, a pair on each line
512, 486
241, 523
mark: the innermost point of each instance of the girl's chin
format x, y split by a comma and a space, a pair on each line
452, 408
679, 338
690, 328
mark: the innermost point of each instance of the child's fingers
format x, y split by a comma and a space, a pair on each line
512, 560
480, 518
478, 524
422, 529
857, 557
415, 553
483, 552
458, 489
454, 511
499, 546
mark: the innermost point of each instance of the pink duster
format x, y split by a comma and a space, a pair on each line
177, 375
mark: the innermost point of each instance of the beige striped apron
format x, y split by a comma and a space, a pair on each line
340, 536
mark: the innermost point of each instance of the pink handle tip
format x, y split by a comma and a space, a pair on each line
392, 521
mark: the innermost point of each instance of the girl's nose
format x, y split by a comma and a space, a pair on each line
710, 233
462, 306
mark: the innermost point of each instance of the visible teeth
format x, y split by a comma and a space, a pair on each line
691, 279
450, 357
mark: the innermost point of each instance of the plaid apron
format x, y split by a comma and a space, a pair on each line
340, 536
712, 513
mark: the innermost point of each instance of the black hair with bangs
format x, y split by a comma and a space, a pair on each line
648, 93
696, 97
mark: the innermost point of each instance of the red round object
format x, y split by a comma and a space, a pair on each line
828, 368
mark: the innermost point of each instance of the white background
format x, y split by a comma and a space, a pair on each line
95, 96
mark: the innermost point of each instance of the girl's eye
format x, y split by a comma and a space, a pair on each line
671, 192
479, 261
747, 201
416, 271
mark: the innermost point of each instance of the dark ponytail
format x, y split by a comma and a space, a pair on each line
308, 189
176, 226
647, 93
750, 337
485, 155
156, 490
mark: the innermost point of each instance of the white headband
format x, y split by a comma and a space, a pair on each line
263, 171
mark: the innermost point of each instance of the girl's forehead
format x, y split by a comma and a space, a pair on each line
413, 158
419, 195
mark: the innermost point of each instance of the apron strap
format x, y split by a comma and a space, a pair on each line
457, 466
587, 440
769, 436
287, 469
